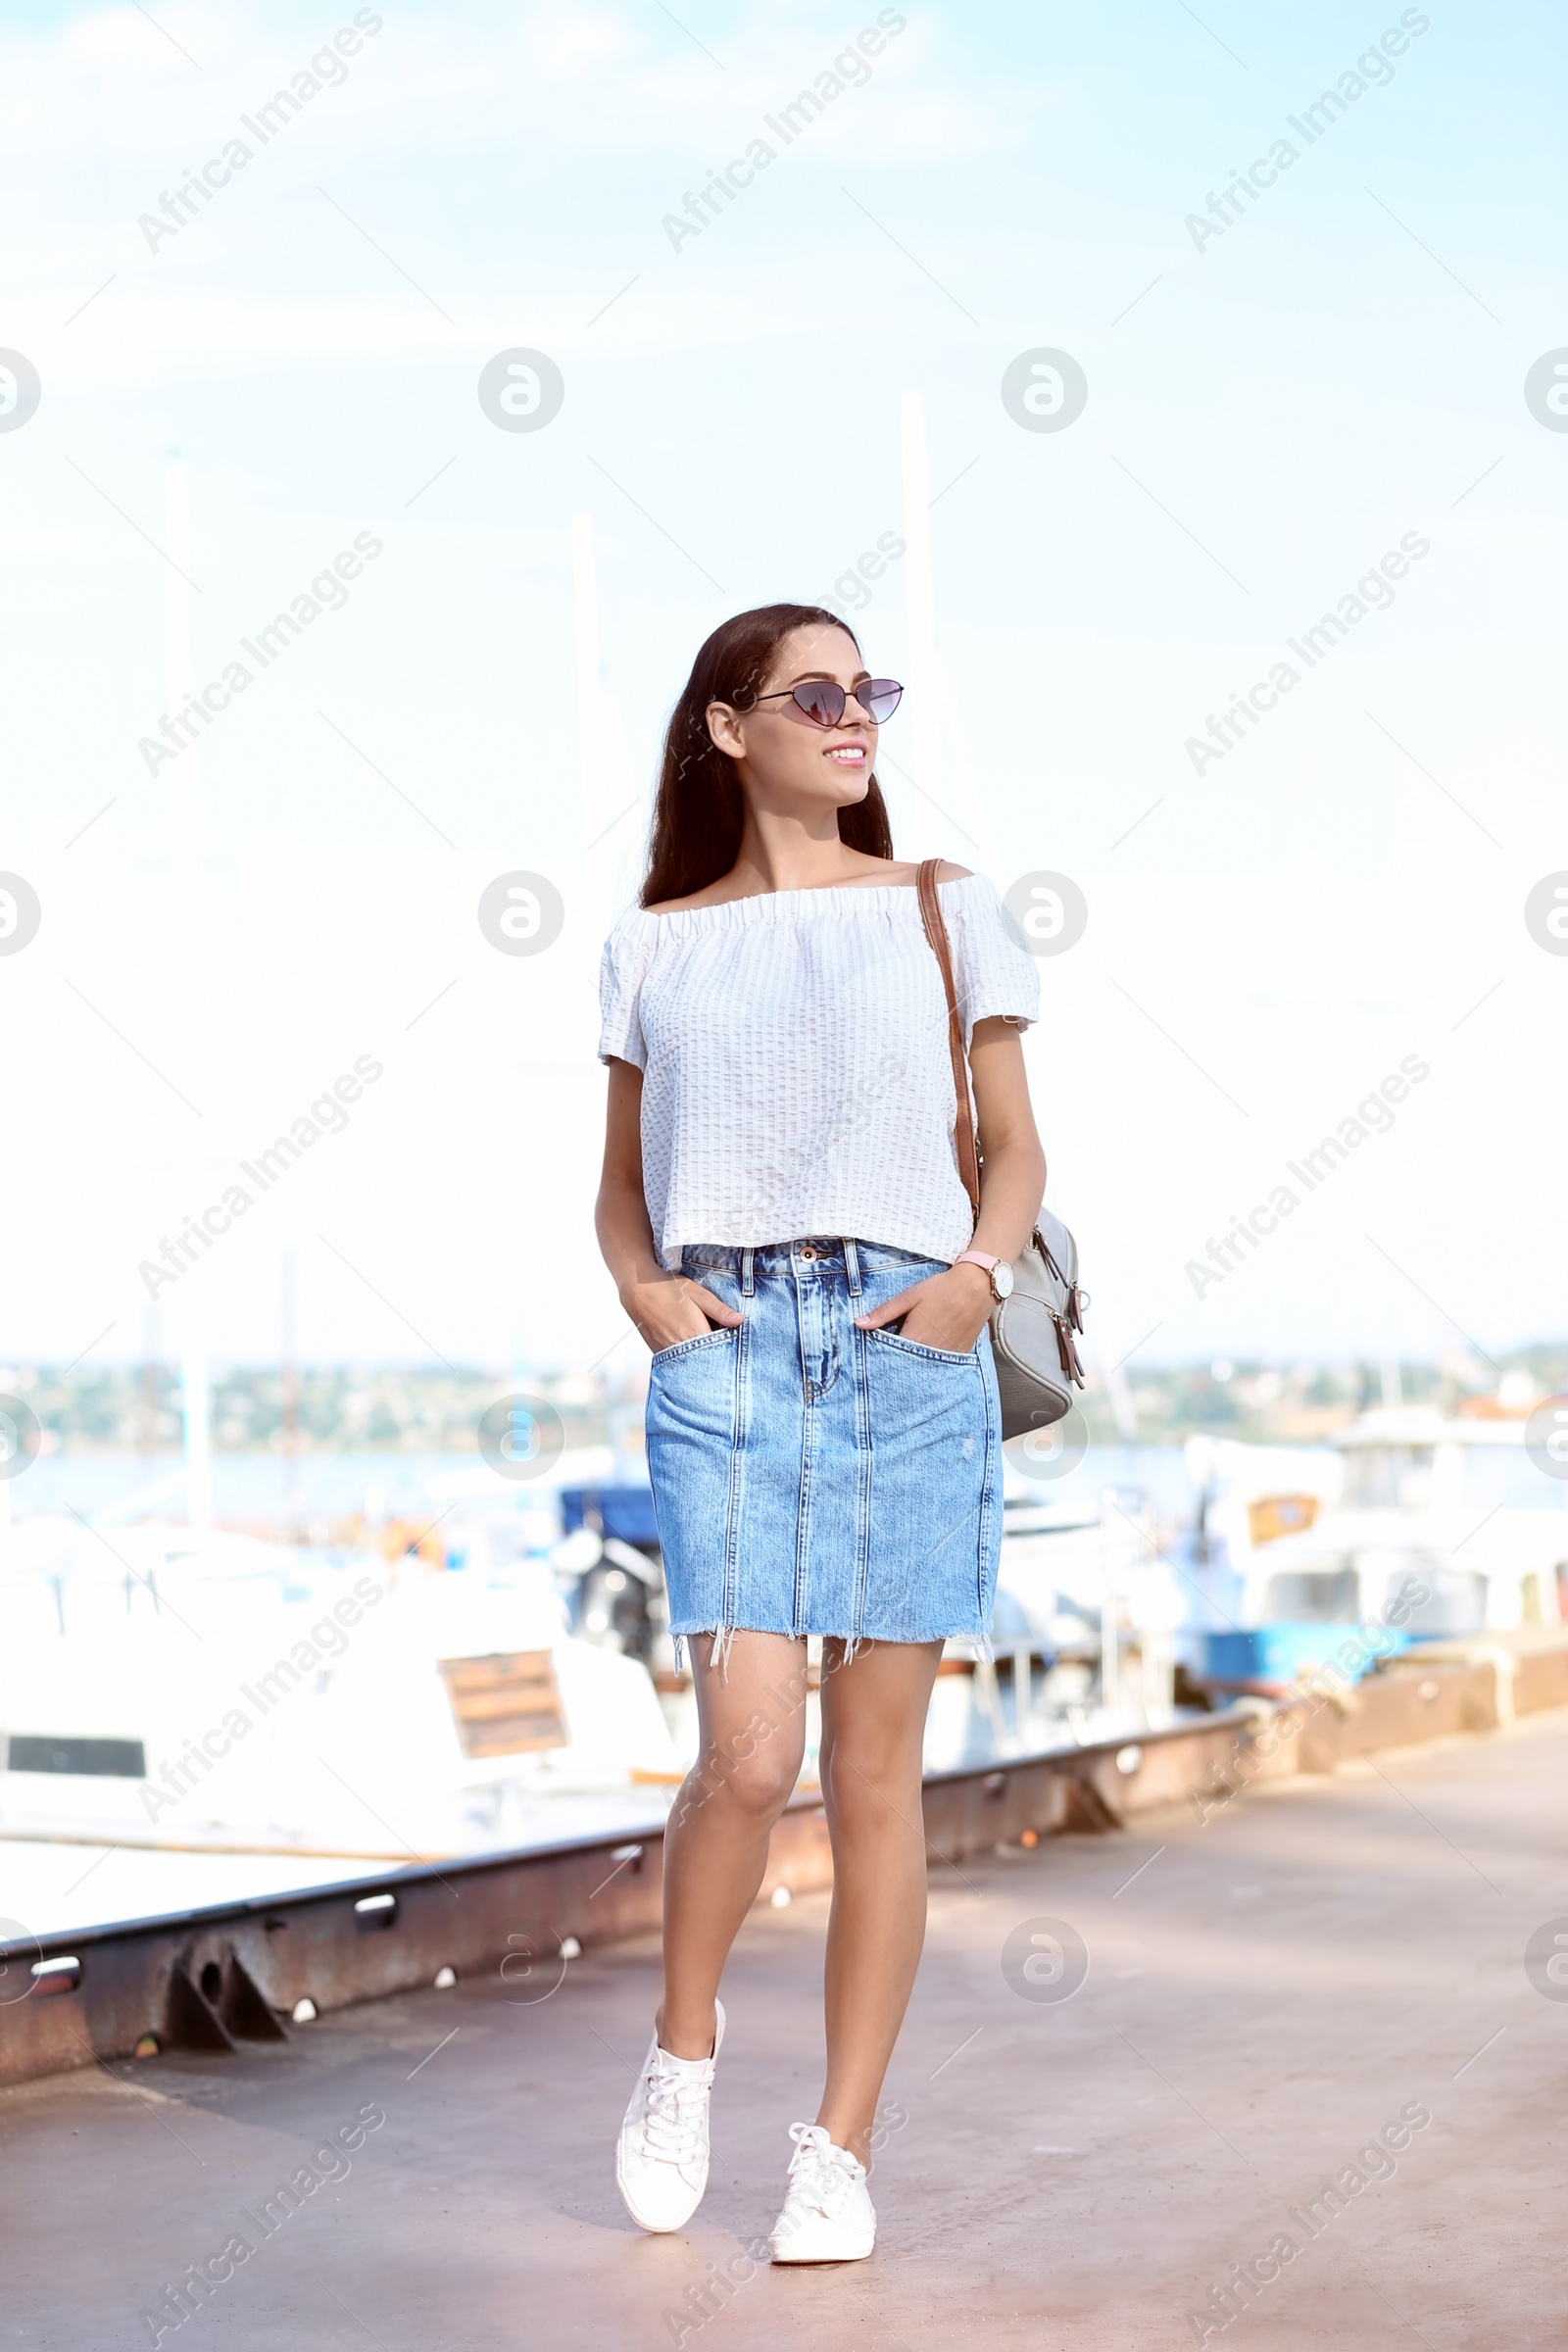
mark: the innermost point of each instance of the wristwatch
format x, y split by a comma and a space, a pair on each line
997, 1268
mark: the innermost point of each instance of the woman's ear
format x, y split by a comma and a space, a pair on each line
724, 728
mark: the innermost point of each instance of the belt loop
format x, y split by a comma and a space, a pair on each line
748, 1282
852, 1267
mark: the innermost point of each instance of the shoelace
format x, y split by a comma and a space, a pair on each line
820, 2173
670, 2132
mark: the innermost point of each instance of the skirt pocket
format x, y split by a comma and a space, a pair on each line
692, 1393
703, 1338
918, 1348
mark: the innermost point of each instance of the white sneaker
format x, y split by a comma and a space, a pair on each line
828, 2215
662, 2160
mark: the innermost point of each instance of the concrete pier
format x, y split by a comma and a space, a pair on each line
1308, 2090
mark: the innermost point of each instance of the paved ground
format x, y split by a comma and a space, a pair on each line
1269, 1993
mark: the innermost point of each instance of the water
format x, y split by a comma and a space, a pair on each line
1158, 1471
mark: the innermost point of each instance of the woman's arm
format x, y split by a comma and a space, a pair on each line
952, 1310
1014, 1182
666, 1307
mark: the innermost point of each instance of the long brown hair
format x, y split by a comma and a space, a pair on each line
700, 811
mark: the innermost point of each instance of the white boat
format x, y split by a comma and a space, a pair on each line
1431, 1525
210, 1692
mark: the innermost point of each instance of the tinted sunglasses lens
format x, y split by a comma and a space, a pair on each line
879, 697
820, 700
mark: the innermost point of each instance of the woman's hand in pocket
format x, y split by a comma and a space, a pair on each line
670, 1307
947, 1311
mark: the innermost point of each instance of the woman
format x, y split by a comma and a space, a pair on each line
783, 1214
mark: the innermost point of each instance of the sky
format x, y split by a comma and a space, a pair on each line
1307, 393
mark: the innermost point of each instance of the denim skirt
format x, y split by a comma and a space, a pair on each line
810, 1477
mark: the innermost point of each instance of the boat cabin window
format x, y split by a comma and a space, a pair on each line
116, 1759
1455, 1603
1307, 1597
1389, 1477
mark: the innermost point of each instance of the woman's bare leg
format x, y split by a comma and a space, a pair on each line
874, 1727
753, 1718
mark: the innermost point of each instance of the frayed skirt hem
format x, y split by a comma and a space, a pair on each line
722, 1637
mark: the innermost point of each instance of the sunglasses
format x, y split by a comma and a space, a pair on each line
824, 702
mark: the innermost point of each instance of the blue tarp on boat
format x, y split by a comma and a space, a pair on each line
625, 1512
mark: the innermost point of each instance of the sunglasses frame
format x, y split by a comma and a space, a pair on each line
851, 694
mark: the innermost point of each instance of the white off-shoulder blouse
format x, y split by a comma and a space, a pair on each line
797, 1078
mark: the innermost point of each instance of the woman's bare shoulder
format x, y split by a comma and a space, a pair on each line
712, 894
865, 869
905, 871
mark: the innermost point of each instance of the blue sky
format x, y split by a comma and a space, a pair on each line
1267, 417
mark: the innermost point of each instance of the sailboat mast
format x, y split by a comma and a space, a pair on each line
184, 845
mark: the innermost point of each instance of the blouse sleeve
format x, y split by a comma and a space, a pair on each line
992, 967
621, 972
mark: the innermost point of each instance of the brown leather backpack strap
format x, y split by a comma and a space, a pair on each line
935, 931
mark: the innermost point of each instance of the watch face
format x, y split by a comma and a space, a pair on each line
1001, 1280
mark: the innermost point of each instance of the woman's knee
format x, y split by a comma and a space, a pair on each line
871, 1780
756, 1771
